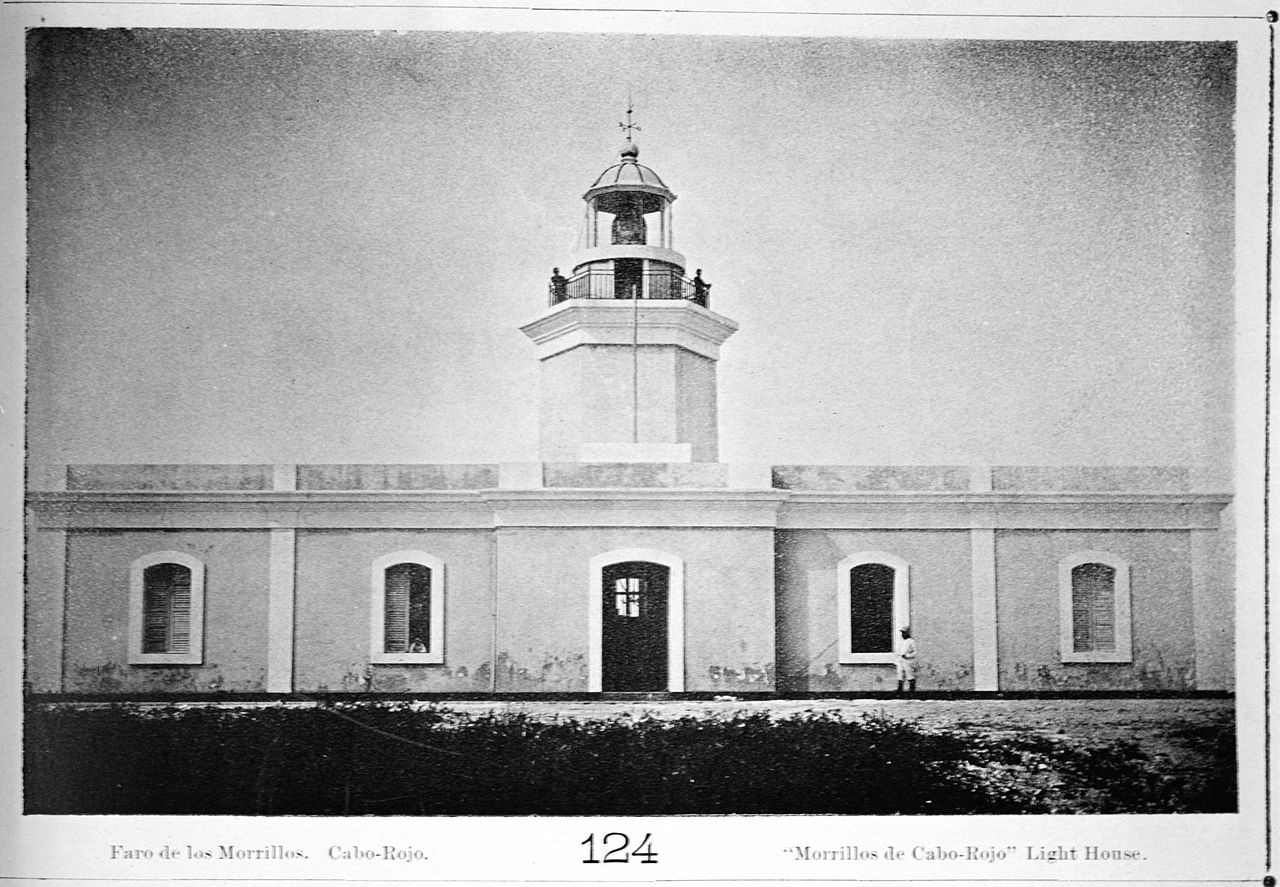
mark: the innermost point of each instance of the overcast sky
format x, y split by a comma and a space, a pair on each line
318, 246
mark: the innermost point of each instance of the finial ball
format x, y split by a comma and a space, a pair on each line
630, 151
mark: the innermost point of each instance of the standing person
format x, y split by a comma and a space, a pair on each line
559, 287
701, 289
907, 660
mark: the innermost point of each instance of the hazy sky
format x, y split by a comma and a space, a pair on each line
318, 246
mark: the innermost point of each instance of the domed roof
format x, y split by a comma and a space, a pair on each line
629, 174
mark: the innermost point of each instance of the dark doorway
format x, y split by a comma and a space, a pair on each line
634, 628
628, 278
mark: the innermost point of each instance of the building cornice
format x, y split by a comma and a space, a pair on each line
635, 508
1001, 510
261, 509
649, 507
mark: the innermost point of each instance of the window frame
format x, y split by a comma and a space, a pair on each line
378, 609
844, 605
137, 604
1120, 601
628, 599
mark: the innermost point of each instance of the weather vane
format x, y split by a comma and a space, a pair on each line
628, 126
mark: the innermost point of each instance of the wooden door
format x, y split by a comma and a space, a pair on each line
634, 627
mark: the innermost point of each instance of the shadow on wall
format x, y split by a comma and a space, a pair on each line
555, 673
112, 677
1149, 674
365, 678
746, 678
835, 678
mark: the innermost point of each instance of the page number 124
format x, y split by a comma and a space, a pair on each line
616, 847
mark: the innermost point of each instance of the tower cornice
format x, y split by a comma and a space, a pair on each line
622, 322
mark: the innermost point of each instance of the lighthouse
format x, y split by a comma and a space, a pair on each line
628, 343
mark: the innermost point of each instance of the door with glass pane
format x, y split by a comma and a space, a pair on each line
634, 627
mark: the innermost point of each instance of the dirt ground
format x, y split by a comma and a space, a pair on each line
1153, 724
1147, 722
1159, 727
1104, 719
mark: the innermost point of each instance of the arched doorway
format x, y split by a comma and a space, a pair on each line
633, 626
636, 621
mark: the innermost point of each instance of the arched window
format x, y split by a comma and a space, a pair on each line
166, 609
873, 603
408, 609
1093, 589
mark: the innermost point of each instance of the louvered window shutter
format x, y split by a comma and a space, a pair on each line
419, 605
407, 617
166, 609
1093, 608
396, 625
180, 611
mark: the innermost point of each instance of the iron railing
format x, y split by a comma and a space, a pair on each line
597, 283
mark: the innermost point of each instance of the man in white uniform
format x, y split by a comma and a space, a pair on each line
907, 661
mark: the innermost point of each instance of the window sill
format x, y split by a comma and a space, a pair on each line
868, 659
166, 659
407, 659
1097, 657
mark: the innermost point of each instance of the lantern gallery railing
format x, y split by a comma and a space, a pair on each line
650, 284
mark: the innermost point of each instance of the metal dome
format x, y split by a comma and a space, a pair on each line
629, 175
628, 172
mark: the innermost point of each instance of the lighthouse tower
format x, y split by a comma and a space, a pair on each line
628, 345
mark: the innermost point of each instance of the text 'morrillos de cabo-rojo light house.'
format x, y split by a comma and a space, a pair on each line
628, 558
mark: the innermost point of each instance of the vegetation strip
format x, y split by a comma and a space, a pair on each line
353, 759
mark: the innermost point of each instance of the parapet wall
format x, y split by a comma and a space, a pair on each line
445, 476
1088, 479
871, 478
169, 477
675, 475
632, 475
398, 477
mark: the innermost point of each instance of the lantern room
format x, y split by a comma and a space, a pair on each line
630, 203
627, 245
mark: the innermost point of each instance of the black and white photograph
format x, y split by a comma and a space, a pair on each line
832, 443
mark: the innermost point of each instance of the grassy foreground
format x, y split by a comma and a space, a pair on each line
351, 759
